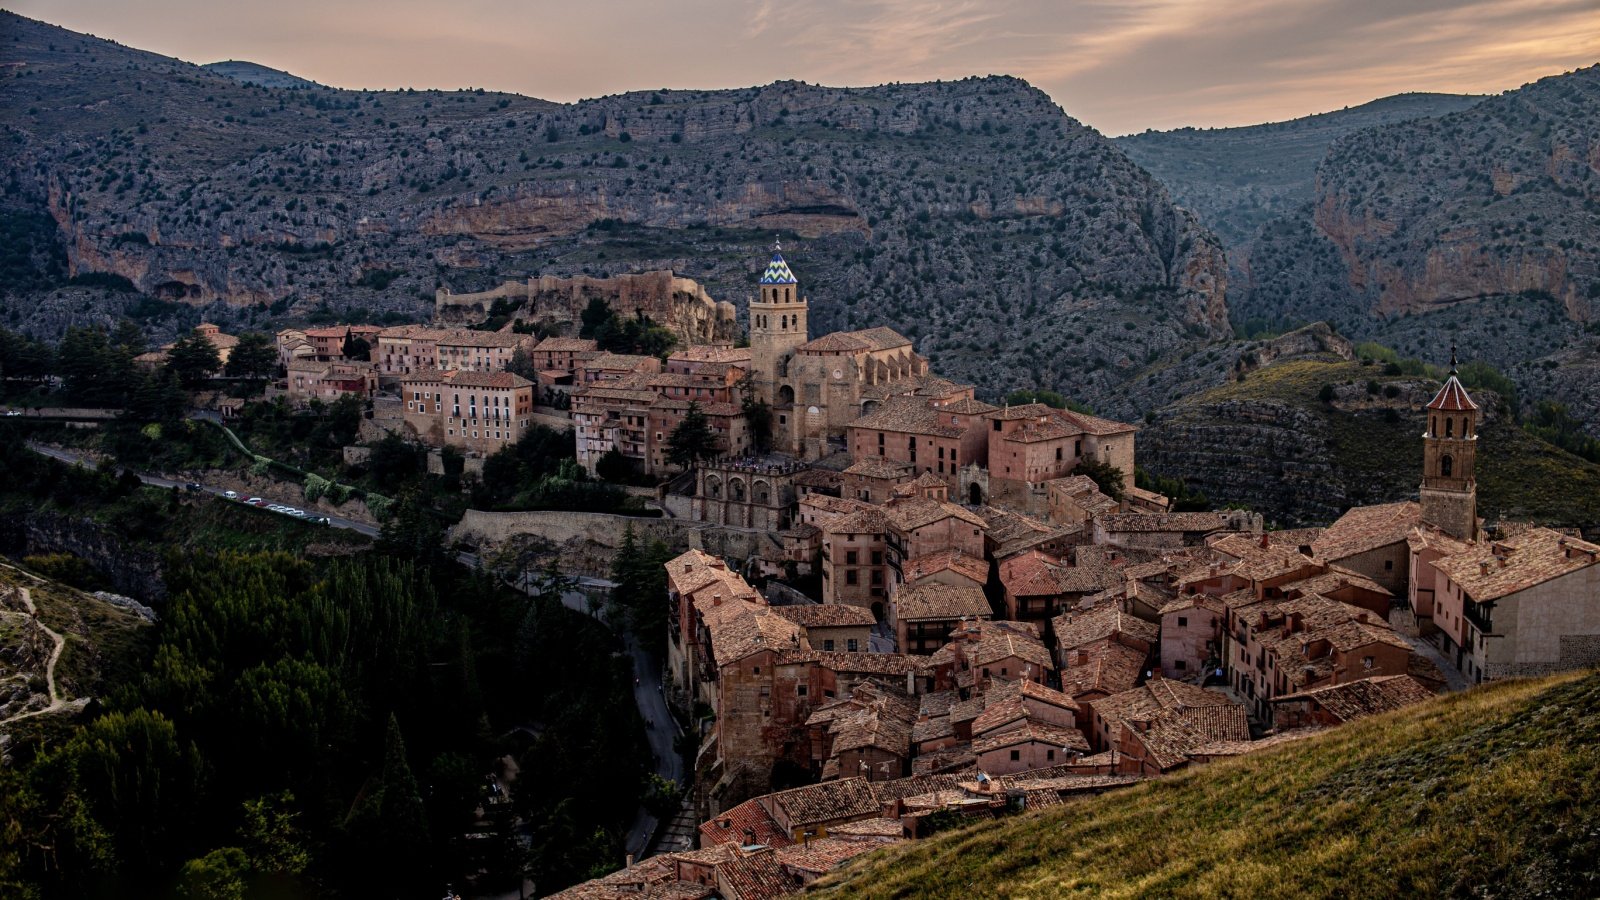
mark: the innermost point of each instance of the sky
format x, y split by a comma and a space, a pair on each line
1118, 65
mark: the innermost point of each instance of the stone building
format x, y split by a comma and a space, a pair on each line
309, 379
1449, 490
816, 388
479, 412
1033, 444
747, 492
561, 354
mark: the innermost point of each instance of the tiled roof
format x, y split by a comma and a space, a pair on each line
826, 615
1074, 629
1186, 522
1258, 563
503, 380
778, 272
1489, 570
887, 792
617, 361
928, 564
1157, 694
935, 601
967, 406
910, 513
819, 804
835, 342
881, 338
497, 339
1029, 732
818, 478
1452, 397
1172, 734
1010, 413
740, 628
870, 828
1105, 667
1366, 697
987, 642
1364, 528
878, 467
910, 415
711, 353
824, 855
756, 876
896, 664
566, 344
729, 827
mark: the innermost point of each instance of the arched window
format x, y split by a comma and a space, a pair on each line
788, 293
714, 487
736, 490
1449, 427
1464, 432
1433, 424
1446, 464
785, 326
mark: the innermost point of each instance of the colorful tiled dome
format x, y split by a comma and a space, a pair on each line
778, 272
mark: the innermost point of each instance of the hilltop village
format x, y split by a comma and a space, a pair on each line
996, 630
959, 610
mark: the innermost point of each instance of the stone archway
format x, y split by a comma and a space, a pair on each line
975, 494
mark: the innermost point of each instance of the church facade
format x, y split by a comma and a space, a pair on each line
816, 388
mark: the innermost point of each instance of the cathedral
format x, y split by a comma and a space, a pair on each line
816, 388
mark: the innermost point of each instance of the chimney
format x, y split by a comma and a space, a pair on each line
1265, 541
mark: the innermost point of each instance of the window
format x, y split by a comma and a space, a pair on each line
850, 557
852, 645
1388, 565
828, 644
800, 690
850, 576
1180, 665
1366, 662
1050, 754
1016, 755
1077, 447
756, 670
1183, 621
1449, 427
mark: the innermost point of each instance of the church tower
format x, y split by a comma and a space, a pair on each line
1449, 457
777, 327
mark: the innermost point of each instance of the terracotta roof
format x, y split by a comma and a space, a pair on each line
710, 353
1364, 528
910, 513
819, 804
878, 467
967, 406
929, 564
1074, 629
1032, 731
1185, 522
566, 344
935, 601
729, 827
1366, 697
503, 380
882, 338
836, 342
824, 855
896, 664
498, 339
987, 642
755, 876
1452, 397
1489, 570
740, 628
887, 792
870, 828
1157, 694
1104, 667
1171, 735
910, 415
826, 615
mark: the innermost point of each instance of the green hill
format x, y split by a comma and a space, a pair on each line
1488, 793
1273, 443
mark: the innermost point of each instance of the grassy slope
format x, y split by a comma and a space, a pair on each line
1490, 792
1519, 476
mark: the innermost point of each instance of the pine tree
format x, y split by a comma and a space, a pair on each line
193, 359
253, 357
693, 439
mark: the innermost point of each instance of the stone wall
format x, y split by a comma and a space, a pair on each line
586, 543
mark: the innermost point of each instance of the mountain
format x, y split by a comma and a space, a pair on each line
1017, 246
1481, 224
1309, 459
1237, 179
257, 74
1483, 793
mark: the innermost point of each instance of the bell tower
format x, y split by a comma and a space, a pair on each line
1449, 459
777, 327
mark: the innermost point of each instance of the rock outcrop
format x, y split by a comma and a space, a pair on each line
680, 304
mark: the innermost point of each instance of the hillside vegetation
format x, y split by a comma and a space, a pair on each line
1487, 793
1271, 441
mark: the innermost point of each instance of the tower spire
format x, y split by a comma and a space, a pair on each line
1453, 358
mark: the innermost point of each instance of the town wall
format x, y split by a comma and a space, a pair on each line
588, 541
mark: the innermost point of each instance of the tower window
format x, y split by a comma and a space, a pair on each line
1449, 427
1446, 464
785, 325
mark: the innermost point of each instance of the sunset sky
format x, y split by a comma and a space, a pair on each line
1119, 65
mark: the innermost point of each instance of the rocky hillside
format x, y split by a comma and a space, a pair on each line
1483, 225
1238, 179
1268, 439
1484, 793
255, 73
973, 215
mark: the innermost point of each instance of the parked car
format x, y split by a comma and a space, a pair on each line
255, 501
231, 495
192, 486
322, 520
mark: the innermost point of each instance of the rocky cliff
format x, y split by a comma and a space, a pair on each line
678, 303
1017, 246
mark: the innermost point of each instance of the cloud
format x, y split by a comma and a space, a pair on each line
1120, 65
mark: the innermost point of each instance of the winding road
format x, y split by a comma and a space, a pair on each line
56, 700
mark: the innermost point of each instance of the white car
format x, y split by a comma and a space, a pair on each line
277, 508
231, 495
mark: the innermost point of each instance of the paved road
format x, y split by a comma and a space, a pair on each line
647, 693
71, 457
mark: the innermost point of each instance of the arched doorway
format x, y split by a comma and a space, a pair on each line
785, 395
877, 610
974, 494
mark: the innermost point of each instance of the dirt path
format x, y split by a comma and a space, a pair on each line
56, 701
